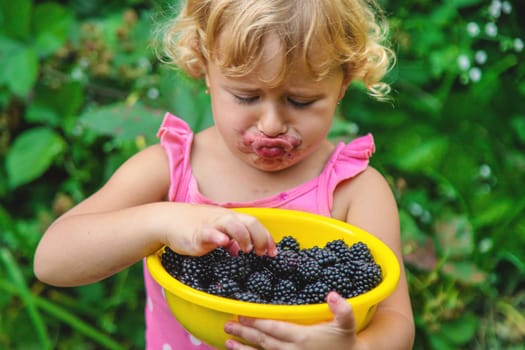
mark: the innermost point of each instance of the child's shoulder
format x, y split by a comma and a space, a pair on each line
369, 182
367, 189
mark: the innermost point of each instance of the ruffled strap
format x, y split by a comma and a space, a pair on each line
347, 161
360, 148
176, 138
173, 126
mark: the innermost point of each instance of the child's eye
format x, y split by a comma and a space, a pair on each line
299, 104
246, 99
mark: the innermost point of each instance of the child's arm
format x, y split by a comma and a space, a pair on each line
376, 211
373, 208
128, 219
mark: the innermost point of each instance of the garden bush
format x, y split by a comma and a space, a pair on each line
81, 90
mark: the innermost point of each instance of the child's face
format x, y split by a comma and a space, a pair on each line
273, 128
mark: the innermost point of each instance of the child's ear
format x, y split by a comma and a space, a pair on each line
344, 85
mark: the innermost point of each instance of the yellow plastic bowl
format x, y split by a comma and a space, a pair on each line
204, 315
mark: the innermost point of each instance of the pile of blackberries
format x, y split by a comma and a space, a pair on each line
295, 276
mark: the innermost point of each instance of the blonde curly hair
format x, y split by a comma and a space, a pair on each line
324, 34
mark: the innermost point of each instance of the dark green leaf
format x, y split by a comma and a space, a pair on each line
461, 330
51, 24
16, 18
123, 122
518, 124
53, 104
422, 153
31, 155
21, 70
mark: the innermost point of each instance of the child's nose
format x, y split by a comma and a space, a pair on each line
272, 123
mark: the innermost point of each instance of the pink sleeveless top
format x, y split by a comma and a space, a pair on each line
163, 332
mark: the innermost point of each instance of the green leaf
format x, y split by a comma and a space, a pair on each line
465, 272
17, 278
493, 213
51, 105
20, 70
51, 25
421, 153
437, 342
16, 18
123, 122
461, 330
186, 98
518, 124
31, 154
8, 47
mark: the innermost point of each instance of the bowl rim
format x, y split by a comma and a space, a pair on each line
228, 305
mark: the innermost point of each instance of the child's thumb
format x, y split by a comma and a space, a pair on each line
342, 311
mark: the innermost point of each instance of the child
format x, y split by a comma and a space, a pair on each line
275, 71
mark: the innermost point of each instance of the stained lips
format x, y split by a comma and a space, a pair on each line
268, 147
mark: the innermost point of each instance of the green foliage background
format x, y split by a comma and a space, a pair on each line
81, 90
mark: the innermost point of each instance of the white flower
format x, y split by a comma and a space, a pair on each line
426, 217
491, 29
495, 9
463, 62
518, 44
153, 93
473, 29
77, 74
485, 171
83, 62
415, 209
485, 245
475, 74
480, 56
144, 63
353, 128
506, 7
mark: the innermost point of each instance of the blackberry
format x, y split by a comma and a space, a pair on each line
218, 254
171, 262
284, 263
224, 287
191, 280
324, 257
360, 252
311, 252
337, 280
235, 268
315, 293
340, 249
288, 243
250, 259
367, 276
331, 276
308, 270
192, 265
249, 297
260, 282
284, 292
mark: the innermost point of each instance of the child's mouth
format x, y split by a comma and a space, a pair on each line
270, 152
272, 148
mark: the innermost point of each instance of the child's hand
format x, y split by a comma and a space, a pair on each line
267, 334
204, 228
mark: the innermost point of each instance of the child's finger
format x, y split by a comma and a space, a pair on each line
263, 242
342, 311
